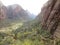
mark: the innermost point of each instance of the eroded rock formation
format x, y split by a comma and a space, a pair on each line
3, 11
51, 17
14, 12
17, 12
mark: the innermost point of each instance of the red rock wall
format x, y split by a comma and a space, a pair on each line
51, 16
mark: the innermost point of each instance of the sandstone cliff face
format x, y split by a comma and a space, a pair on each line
13, 12
3, 11
17, 12
51, 17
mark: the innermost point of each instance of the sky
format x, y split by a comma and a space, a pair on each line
33, 6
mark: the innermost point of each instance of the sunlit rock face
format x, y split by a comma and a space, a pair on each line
3, 11
51, 17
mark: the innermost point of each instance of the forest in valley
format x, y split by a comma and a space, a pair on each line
20, 27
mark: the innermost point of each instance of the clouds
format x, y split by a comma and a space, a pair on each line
34, 6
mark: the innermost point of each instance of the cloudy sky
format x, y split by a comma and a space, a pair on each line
34, 6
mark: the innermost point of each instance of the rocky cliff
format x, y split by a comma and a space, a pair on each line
14, 12
17, 12
51, 17
3, 11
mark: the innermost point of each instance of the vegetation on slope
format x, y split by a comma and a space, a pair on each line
28, 34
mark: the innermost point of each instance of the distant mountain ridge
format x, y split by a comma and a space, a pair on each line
17, 12
14, 12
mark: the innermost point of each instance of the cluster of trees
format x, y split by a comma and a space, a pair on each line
29, 34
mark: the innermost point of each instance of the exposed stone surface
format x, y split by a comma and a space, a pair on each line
51, 17
14, 12
3, 11
17, 12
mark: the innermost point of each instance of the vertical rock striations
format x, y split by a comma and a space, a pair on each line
3, 11
51, 17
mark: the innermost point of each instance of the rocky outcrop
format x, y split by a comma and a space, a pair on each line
17, 12
51, 17
3, 11
14, 12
